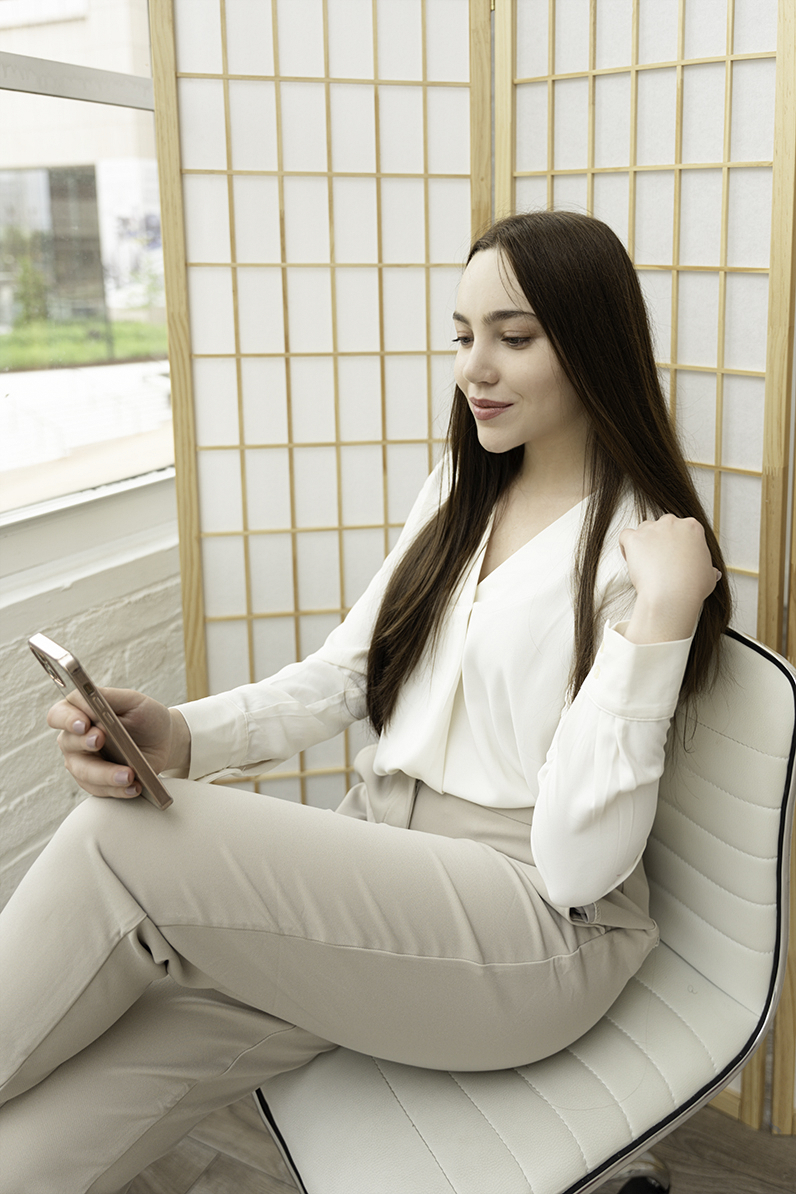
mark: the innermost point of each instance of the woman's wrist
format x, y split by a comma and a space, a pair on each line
180, 743
661, 621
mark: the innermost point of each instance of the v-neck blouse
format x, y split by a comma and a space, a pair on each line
484, 716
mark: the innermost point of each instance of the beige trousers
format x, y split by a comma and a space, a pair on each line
157, 966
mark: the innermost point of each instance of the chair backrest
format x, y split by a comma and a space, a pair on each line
716, 857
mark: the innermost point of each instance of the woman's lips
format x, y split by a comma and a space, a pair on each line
484, 409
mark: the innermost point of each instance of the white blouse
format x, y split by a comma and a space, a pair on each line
485, 717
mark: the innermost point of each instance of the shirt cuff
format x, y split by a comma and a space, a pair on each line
634, 680
219, 735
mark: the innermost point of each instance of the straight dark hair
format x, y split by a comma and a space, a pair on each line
581, 285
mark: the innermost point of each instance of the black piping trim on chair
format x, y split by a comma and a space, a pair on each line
265, 1112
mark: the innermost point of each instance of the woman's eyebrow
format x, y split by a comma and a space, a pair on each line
497, 316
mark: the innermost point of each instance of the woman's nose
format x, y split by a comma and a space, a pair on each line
479, 367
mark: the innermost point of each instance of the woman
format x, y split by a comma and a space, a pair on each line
521, 653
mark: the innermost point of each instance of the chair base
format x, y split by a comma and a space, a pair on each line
645, 1175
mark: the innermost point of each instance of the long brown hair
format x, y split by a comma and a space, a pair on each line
581, 284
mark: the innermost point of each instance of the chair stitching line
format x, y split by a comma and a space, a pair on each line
503, 1141
644, 1054
733, 796
675, 1012
714, 928
555, 1111
413, 1124
746, 899
716, 838
738, 742
605, 1086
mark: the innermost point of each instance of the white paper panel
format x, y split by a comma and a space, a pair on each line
227, 655
745, 591
698, 319
530, 194
314, 629
252, 115
442, 387
569, 192
203, 138
306, 219
312, 399
704, 480
749, 217
250, 43
363, 552
654, 217
612, 120
361, 485
280, 789
400, 39
300, 26
309, 307
218, 477
742, 424
740, 520
572, 36
696, 415
264, 400
325, 754
197, 34
271, 571
532, 38
657, 31
401, 130
223, 576
448, 219
260, 310
324, 791
614, 33
318, 562
406, 388
752, 134
359, 384
746, 321
315, 480
443, 285
448, 130
206, 217
215, 394
404, 298
350, 39
303, 126
703, 112
357, 293
531, 112
448, 40
657, 110
355, 226
705, 29
268, 489
755, 26
403, 208
657, 289
407, 469
353, 127
256, 203
611, 201
274, 642
571, 135
210, 307
700, 217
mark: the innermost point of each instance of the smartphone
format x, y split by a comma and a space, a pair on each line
62, 667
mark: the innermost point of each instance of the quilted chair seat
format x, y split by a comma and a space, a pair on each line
717, 863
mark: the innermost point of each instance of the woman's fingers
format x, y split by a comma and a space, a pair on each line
80, 742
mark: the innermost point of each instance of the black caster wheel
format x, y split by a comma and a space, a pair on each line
642, 1185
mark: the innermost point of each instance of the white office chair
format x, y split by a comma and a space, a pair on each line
717, 862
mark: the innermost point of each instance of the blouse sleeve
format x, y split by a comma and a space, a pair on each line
598, 787
256, 726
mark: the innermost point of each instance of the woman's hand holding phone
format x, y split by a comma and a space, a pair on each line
160, 733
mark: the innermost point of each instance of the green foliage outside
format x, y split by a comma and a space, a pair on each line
40, 344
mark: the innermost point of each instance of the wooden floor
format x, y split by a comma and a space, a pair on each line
230, 1152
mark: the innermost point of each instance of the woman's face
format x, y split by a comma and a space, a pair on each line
507, 369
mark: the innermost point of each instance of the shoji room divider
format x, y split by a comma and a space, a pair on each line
675, 122
323, 165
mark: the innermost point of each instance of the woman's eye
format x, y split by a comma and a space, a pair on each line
462, 340
516, 341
